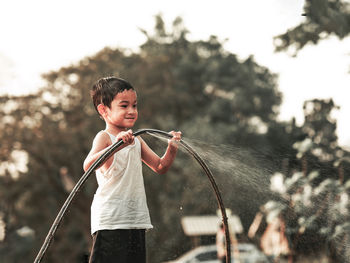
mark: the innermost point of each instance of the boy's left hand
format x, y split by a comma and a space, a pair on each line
175, 139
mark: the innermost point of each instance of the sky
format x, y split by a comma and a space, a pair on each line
39, 36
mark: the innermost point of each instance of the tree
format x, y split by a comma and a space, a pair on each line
193, 86
313, 197
323, 18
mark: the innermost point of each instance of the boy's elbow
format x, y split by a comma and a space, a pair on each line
162, 170
161, 167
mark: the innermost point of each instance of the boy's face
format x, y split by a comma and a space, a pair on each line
123, 111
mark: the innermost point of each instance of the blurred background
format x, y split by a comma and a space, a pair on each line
259, 88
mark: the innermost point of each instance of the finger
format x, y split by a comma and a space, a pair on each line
173, 135
127, 136
177, 136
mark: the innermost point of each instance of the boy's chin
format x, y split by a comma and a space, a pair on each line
129, 126
131, 123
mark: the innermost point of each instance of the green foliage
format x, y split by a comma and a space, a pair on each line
314, 202
323, 18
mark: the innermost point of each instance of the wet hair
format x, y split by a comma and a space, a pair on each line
105, 89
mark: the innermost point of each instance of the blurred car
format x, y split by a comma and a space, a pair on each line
248, 253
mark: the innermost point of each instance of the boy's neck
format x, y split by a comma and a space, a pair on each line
115, 129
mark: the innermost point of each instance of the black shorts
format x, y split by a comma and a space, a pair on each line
120, 245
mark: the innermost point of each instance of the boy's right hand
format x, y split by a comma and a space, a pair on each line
126, 136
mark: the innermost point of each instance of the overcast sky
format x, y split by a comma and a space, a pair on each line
38, 36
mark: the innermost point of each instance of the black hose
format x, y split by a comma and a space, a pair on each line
102, 159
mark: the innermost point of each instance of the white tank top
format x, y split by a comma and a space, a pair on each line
120, 200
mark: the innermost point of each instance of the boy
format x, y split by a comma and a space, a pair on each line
119, 212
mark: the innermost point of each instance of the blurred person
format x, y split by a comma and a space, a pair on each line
119, 212
221, 243
274, 242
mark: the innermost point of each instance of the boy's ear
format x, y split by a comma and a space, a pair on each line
101, 109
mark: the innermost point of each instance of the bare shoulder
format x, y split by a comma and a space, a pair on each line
143, 143
146, 151
141, 140
102, 139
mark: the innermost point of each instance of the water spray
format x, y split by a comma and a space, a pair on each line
103, 158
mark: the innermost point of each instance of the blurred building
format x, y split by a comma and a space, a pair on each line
200, 226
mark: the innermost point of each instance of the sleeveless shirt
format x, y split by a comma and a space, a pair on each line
120, 199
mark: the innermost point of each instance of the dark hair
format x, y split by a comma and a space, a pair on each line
105, 89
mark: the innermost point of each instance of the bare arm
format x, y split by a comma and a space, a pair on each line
157, 164
99, 146
101, 143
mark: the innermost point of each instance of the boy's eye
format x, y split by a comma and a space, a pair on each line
123, 106
135, 106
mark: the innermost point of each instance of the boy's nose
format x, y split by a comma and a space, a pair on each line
132, 110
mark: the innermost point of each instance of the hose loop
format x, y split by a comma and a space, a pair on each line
104, 158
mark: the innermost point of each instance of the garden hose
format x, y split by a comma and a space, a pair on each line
102, 159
